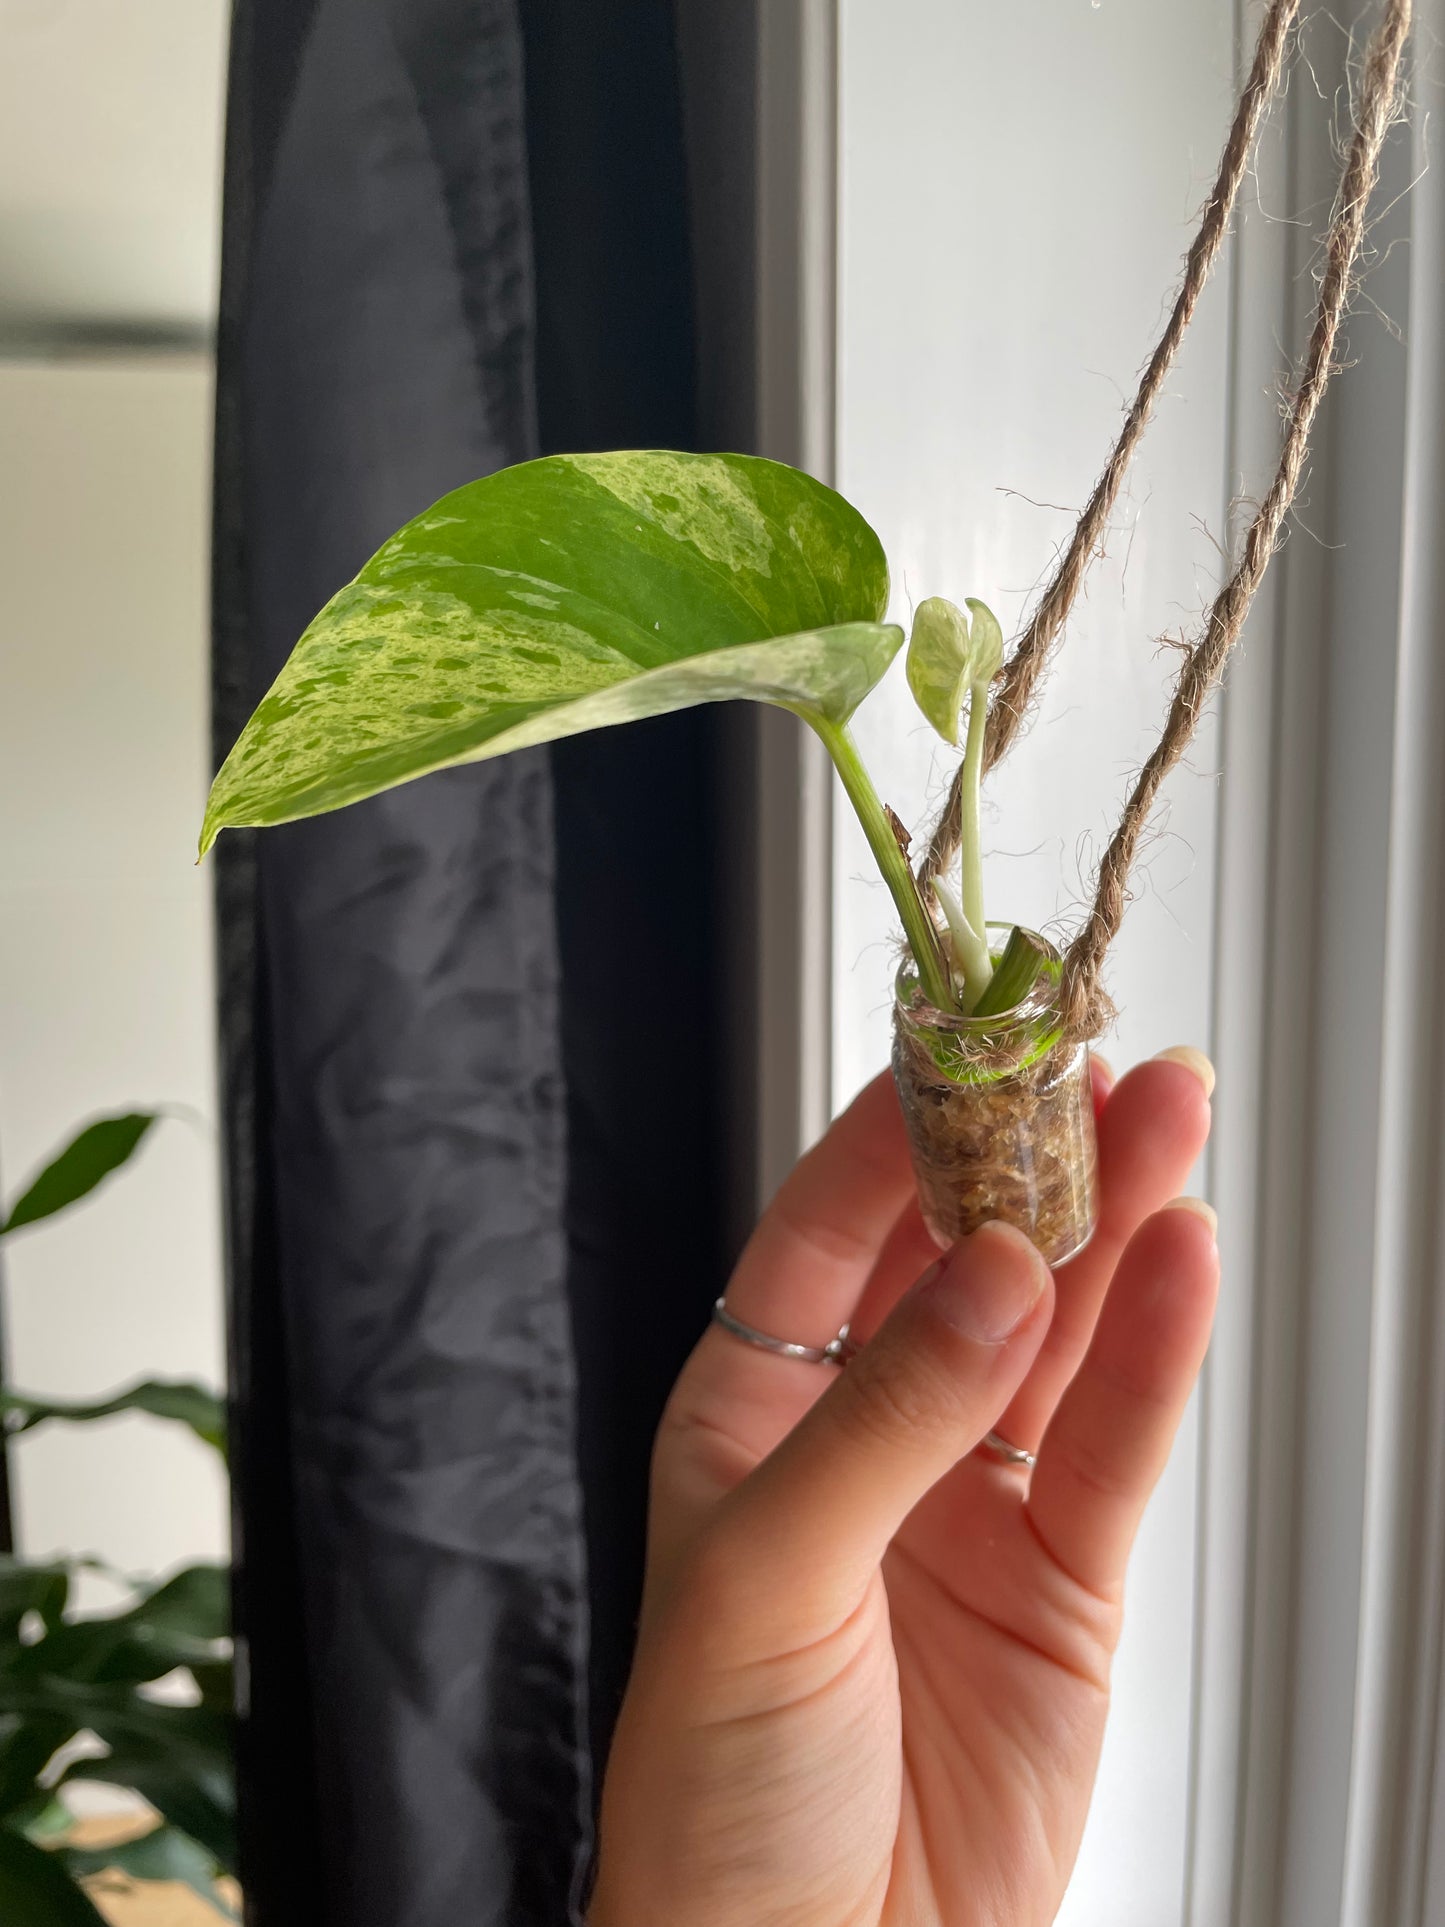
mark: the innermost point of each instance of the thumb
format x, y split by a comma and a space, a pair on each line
820, 1511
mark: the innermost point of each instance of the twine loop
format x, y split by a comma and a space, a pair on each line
1085, 1007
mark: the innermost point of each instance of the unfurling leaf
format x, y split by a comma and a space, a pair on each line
92, 1154
558, 596
949, 654
940, 663
970, 946
987, 638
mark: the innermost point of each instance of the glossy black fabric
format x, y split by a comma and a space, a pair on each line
472, 1029
394, 1079
637, 810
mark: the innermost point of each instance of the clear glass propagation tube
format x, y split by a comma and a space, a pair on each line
1000, 1115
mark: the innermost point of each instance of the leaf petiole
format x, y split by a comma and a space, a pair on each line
934, 978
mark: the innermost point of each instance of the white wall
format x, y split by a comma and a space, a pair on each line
110, 146
1017, 187
110, 129
106, 977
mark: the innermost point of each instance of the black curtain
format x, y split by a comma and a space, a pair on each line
471, 1028
637, 902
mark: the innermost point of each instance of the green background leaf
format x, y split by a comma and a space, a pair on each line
165, 1398
92, 1154
162, 1854
27, 1744
25, 1588
563, 595
179, 1623
194, 1793
37, 1891
87, 1674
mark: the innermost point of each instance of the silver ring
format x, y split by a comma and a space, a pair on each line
837, 1351
1007, 1454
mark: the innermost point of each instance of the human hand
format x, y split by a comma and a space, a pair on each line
873, 1666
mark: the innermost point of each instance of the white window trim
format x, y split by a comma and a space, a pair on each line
1322, 1592
796, 348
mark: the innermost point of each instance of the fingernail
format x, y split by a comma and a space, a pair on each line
1192, 1060
987, 1285
1201, 1210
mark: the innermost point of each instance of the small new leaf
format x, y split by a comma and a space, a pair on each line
949, 654
987, 639
940, 663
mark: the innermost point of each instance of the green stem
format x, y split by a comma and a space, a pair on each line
1018, 969
918, 925
970, 951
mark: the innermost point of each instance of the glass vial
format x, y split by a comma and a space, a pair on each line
1000, 1115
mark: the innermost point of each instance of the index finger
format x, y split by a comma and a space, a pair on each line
799, 1279
805, 1266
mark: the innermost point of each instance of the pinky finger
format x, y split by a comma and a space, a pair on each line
1111, 1436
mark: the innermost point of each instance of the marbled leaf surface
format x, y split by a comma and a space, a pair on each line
563, 595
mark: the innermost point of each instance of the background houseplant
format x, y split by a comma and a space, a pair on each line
77, 1691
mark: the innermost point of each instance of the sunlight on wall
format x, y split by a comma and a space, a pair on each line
1005, 251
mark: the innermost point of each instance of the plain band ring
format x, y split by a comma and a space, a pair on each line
837, 1351
1006, 1453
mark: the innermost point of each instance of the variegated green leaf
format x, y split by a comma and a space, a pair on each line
560, 596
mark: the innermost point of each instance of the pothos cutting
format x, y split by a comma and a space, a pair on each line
579, 591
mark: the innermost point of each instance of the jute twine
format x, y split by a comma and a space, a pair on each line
1086, 1010
1014, 689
